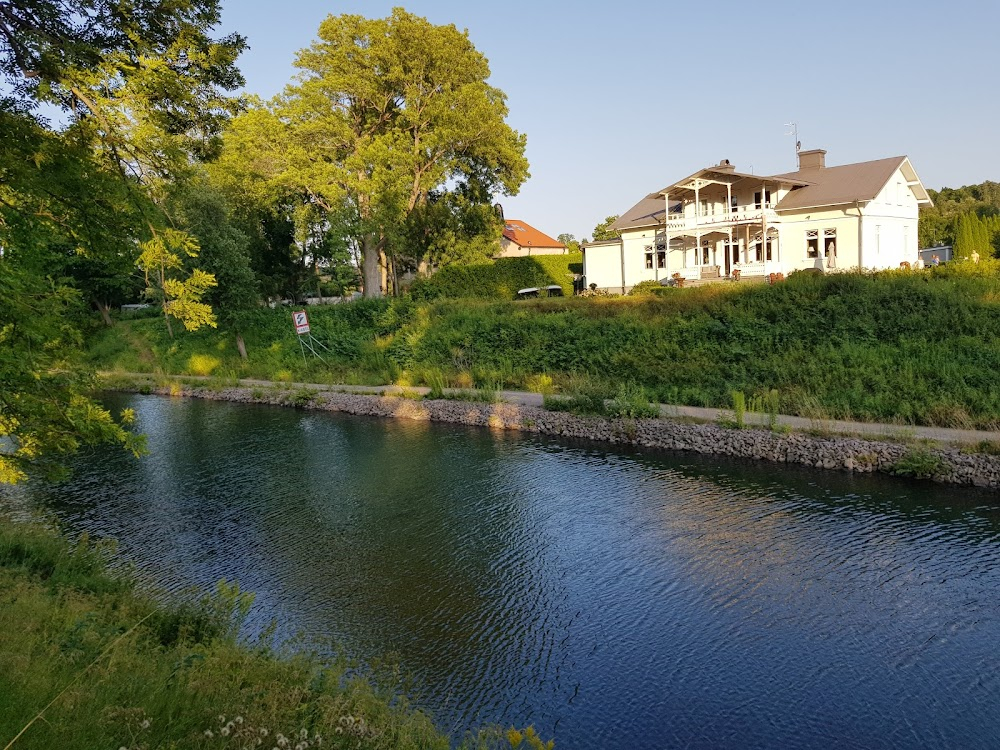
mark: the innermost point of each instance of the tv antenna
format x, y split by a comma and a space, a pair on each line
794, 131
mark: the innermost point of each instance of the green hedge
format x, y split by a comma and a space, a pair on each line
500, 279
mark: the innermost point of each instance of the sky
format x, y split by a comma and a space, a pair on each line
619, 99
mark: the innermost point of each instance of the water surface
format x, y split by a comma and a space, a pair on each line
614, 600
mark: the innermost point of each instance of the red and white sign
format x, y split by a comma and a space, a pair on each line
301, 321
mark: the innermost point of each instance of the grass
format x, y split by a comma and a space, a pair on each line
905, 348
107, 667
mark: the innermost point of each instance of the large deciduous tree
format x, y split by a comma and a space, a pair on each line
384, 113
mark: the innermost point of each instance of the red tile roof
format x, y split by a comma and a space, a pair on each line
525, 235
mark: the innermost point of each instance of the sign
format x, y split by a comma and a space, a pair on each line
301, 322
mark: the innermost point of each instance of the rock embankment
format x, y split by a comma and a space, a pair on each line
949, 465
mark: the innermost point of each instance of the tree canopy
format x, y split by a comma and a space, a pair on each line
603, 231
385, 114
143, 92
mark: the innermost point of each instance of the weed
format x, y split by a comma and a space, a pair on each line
919, 462
301, 398
738, 419
631, 402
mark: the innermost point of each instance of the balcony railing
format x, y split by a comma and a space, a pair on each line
737, 215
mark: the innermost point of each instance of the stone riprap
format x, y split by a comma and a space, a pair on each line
822, 452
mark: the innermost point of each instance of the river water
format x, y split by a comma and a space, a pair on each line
612, 599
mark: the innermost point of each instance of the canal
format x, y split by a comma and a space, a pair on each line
612, 599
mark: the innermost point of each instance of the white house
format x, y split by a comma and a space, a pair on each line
719, 221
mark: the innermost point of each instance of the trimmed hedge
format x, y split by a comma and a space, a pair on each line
501, 278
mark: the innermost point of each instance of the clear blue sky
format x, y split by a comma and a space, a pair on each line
621, 98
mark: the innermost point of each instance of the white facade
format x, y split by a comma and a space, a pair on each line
723, 224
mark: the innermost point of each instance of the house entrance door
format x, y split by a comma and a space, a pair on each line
732, 256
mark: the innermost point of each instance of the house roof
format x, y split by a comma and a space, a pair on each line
812, 188
524, 235
709, 176
831, 186
647, 212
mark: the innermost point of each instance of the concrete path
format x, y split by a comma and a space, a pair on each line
878, 431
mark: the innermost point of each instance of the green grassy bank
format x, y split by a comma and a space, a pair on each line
907, 347
108, 668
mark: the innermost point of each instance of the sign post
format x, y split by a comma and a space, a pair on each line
306, 340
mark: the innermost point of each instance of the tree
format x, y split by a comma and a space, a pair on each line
450, 227
223, 253
141, 83
603, 231
570, 241
384, 112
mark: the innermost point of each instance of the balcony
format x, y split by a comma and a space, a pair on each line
722, 219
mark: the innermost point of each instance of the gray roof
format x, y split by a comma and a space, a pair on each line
814, 188
832, 186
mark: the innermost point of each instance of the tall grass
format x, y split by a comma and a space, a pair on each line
87, 662
917, 347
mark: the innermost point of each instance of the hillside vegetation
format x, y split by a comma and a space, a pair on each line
913, 347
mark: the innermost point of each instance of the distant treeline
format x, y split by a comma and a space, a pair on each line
968, 218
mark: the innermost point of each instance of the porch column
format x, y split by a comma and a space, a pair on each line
729, 197
666, 235
746, 243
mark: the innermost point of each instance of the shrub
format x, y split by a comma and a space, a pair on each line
919, 462
631, 402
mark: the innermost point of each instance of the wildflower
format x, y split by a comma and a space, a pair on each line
221, 718
303, 734
224, 731
338, 730
209, 733
238, 719
263, 731
145, 724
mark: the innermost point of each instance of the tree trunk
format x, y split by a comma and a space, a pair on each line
166, 317
105, 312
241, 345
370, 252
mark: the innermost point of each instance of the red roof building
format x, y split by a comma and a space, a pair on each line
520, 238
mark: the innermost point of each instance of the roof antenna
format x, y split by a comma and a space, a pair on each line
794, 132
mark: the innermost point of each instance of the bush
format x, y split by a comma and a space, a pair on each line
919, 462
631, 402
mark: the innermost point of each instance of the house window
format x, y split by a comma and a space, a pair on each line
733, 204
829, 243
705, 252
704, 208
812, 243
767, 199
661, 259
649, 256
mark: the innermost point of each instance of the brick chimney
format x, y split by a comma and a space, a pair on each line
814, 159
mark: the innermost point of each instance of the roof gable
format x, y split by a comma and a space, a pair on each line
847, 183
524, 235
